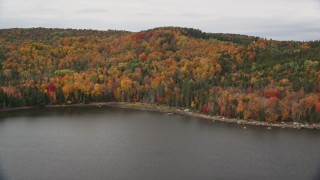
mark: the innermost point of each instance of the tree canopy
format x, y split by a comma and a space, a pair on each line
230, 75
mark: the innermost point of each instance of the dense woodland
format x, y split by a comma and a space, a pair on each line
229, 75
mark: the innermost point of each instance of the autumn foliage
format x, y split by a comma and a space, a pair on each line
228, 75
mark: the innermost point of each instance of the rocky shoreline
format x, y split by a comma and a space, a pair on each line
185, 112
148, 107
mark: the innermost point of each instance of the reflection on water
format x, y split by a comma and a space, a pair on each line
2, 175
110, 143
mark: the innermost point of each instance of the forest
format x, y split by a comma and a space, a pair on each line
229, 75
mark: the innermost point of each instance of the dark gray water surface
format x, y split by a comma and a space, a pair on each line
109, 143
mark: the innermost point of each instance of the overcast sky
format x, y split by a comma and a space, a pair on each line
276, 19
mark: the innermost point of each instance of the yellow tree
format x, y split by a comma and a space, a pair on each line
125, 85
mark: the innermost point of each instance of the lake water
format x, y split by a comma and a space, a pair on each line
110, 143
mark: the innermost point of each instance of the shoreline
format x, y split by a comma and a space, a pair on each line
171, 110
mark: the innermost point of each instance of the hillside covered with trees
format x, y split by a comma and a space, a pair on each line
229, 75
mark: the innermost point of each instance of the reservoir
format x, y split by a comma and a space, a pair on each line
112, 143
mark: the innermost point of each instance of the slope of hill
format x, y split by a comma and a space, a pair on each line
222, 74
